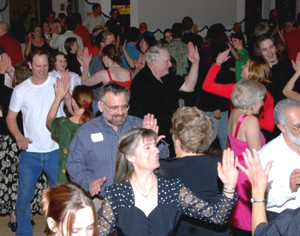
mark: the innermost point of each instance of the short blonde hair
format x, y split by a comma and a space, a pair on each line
246, 93
193, 128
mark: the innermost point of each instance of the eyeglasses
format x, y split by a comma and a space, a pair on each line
295, 128
117, 108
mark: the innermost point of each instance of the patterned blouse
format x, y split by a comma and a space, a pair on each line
119, 212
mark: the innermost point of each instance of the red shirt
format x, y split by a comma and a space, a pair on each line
266, 118
293, 43
12, 47
84, 34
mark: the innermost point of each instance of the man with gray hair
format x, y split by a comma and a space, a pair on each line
284, 178
93, 150
154, 90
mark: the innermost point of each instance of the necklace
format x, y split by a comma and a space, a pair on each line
140, 192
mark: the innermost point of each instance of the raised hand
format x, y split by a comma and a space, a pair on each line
62, 85
84, 57
256, 174
223, 56
5, 63
193, 53
296, 64
150, 122
227, 171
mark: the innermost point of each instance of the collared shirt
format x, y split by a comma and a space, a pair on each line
287, 223
93, 151
285, 160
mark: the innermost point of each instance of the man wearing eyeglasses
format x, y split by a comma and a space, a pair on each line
284, 178
93, 151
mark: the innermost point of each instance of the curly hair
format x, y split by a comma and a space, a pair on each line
193, 128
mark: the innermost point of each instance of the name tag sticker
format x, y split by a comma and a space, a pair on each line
97, 137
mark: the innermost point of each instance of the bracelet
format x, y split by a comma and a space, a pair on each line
229, 189
257, 200
224, 191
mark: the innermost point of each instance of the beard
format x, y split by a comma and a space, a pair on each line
294, 139
115, 120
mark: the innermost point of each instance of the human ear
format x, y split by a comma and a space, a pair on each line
281, 128
100, 106
52, 224
131, 158
30, 66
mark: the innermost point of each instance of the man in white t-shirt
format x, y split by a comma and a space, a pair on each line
95, 22
33, 98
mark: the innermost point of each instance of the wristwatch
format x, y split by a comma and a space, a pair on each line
257, 200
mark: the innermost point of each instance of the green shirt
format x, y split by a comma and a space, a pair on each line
240, 63
63, 130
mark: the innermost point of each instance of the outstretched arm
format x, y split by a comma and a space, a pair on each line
62, 87
98, 77
209, 85
84, 58
191, 78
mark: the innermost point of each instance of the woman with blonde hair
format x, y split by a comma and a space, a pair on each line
256, 69
244, 132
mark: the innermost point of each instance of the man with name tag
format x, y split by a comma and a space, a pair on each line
93, 150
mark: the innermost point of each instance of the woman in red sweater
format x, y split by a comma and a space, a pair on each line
255, 69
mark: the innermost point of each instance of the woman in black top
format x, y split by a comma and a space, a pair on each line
192, 130
143, 203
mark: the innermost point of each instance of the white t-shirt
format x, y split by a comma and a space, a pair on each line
91, 22
34, 101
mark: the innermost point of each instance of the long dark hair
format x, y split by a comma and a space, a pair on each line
127, 146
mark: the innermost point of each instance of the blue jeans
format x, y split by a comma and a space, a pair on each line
31, 166
220, 128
